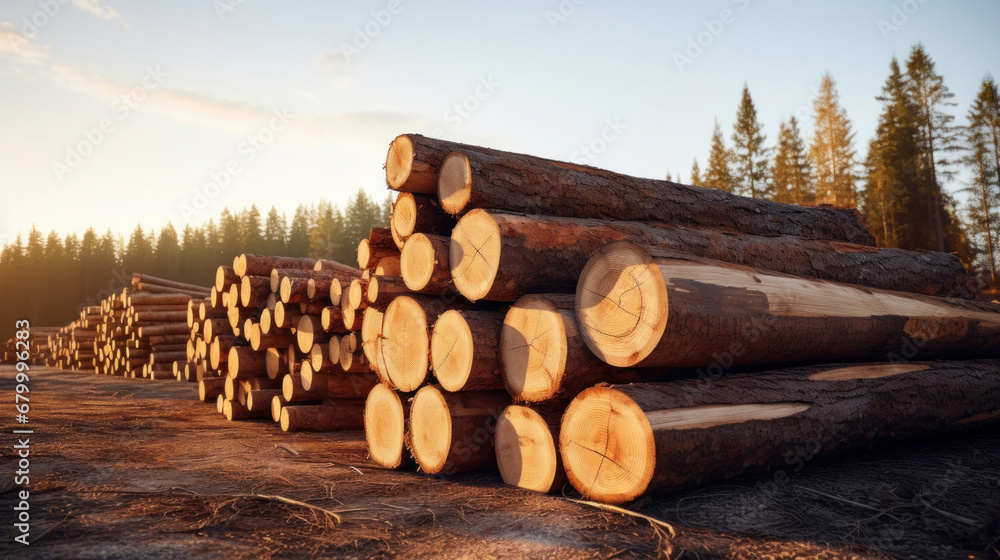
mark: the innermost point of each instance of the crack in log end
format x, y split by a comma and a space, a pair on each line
604, 418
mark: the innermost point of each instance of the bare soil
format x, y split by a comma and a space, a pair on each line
125, 468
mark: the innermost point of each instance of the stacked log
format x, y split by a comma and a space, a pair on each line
36, 345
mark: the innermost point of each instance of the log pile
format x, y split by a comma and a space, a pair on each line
562, 323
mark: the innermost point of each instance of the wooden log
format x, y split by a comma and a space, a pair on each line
465, 350
406, 340
681, 311
218, 351
424, 263
151, 280
212, 328
285, 316
332, 319
225, 277
210, 388
146, 331
278, 274
292, 390
527, 454
337, 385
342, 272
309, 331
318, 289
245, 362
262, 265
543, 355
343, 416
273, 339
254, 291
352, 355
166, 357
260, 399
371, 336
377, 246
238, 315
388, 266
413, 162
157, 289
484, 178
618, 442
453, 432
418, 213
275, 363
220, 402
383, 289
501, 256
386, 412
234, 410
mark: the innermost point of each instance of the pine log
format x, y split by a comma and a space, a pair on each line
262, 265
465, 350
317, 289
218, 352
662, 436
386, 412
406, 340
543, 355
236, 411
453, 432
136, 298
254, 291
225, 277
260, 399
179, 286
332, 319
273, 339
413, 162
309, 331
275, 363
245, 362
484, 178
500, 256
388, 266
285, 316
341, 416
424, 263
210, 388
294, 290
341, 272
292, 390
337, 385
376, 247
371, 336
527, 455
383, 289
418, 213
676, 310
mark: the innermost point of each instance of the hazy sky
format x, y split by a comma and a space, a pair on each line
299, 100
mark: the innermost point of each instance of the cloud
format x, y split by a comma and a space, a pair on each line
19, 50
334, 65
95, 8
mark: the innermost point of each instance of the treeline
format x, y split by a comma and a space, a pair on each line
47, 278
905, 185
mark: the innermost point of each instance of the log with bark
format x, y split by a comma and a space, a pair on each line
675, 310
544, 357
485, 178
406, 329
413, 162
453, 432
424, 264
418, 213
262, 265
618, 442
341, 385
501, 256
465, 350
339, 415
377, 246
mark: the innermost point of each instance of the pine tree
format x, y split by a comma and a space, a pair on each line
298, 233
275, 233
937, 136
695, 173
982, 136
139, 252
250, 231
168, 253
791, 175
750, 156
832, 150
719, 174
895, 194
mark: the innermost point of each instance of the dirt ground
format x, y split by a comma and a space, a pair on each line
140, 469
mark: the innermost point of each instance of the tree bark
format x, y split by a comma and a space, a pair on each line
262, 265
501, 256
453, 432
244, 362
418, 213
342, 416
338, 385
377, 246
465, 350
254, 291
413, 161
675, 310
619, 441
484, 178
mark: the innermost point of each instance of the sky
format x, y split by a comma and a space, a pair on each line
123, 112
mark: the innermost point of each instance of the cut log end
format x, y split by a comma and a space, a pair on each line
405, 345
607, 446
385, 427
621, 304
454, 183
399, 162
404, 215
416, 262
533, 349
474, 254
526, 452
452, 350
430, 429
